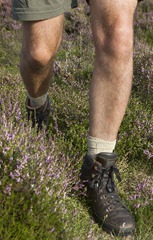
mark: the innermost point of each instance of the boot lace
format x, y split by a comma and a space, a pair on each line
104, 182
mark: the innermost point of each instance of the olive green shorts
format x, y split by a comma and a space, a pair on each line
32, 10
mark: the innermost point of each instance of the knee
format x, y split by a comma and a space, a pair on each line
120, 41
117, 40
38, 57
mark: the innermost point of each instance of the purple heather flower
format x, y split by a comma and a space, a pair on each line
134, 197
7, 189
5, 150
138, 205
52, 230
148, 154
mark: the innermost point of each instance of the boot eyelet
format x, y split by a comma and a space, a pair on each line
109, 209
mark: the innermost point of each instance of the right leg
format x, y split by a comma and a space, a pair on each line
41, 40
42, 33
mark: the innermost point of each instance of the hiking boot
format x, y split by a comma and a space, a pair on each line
108, 209
39, 116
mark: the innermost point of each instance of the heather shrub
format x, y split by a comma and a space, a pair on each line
24, 175
38, 180
143, 71
144, 22
6, 16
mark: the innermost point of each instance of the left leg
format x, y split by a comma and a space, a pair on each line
112, 27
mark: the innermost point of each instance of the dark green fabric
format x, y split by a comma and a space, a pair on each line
30, 10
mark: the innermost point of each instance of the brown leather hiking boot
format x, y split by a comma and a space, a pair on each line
108, 209
39, 116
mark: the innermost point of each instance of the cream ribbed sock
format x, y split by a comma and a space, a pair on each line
37, 102
97, 145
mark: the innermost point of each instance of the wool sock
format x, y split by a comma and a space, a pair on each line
37, 102
97, 145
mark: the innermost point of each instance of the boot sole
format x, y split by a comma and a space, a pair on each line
115, 232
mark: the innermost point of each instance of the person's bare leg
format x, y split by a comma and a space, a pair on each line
112, 26
41, 40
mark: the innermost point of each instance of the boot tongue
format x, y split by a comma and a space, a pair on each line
107, 160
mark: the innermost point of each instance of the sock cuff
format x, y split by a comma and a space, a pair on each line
99, 141
38, 98
37, 102
97, 145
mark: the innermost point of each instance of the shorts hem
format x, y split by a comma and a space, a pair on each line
33, 15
